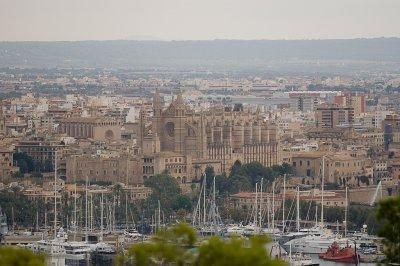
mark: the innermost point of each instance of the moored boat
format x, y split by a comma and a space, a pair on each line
347, 254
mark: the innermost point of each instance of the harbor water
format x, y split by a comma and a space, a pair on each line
332, 263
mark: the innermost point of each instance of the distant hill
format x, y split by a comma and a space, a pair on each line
276, 55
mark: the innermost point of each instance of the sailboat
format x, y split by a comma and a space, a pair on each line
130, 233
298, 259
60, 250
271, 229
254, 227
207, 223
316, 230
317, 243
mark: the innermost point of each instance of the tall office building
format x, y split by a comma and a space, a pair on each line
357, 102
333, 116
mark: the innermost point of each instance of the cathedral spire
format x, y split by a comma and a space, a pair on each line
157, 106
156, 98
258, 112
179, 98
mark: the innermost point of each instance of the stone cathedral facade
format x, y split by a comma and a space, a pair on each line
216, 137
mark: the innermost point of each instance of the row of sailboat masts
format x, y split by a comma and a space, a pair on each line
110, 218
260, 208
107, 213
200, 212
156, 219
200, 217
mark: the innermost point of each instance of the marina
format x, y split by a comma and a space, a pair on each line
292, 243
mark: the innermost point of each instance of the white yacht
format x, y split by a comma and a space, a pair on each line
132, 235
271, 231
102, 247
73, 252
299, 259
235, 230
323, 239
315, 244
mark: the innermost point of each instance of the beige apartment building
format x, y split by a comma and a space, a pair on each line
183, 168
122, 168
333, 116
372, 138
340, 167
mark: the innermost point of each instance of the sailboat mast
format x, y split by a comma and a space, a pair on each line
283, 203
101, 214
322, 189
214, 189
126, 211
75, 223
268, 211
298, 210
159, 215
261, 201
345, 215
45, 220
37, 221
12, 218
273, 205
214, 209
204, 199
91, 211
86, 209
256, 206
55, 195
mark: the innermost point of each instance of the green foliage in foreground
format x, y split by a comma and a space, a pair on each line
177, 246
389, 213
20, 257
235, 252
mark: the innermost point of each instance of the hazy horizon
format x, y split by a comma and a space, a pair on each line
98, 20
131, 38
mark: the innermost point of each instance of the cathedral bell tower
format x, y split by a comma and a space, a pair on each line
179, 121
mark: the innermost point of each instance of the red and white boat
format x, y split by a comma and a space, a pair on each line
347, 254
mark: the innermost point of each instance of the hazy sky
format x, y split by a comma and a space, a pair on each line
197, 19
